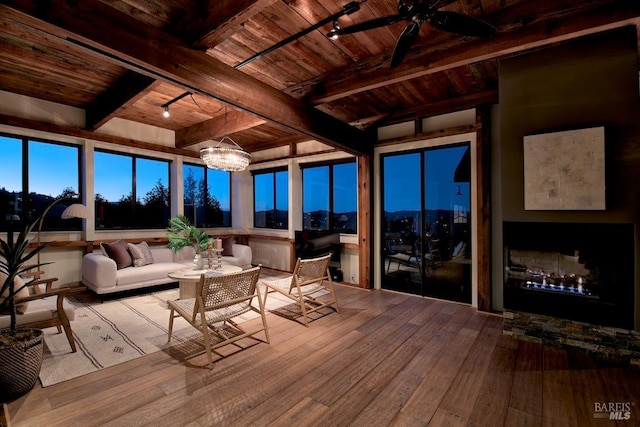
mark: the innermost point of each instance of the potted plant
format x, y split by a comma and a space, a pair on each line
20, 349
182, 234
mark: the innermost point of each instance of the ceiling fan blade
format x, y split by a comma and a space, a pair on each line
404, 43
369, 25
460, 24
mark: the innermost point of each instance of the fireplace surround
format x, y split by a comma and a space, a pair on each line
575, 271
572, 286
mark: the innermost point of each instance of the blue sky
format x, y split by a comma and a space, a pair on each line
403, 186
42, 178
402, 176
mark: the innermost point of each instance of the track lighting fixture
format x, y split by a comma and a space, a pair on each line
165, 106
334, 33
347, 9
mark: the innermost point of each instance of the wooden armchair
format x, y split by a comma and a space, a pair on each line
309, 278
219, 299
46, 307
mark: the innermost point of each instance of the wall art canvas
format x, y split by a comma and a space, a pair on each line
565, 170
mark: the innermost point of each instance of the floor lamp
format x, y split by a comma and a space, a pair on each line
76, 210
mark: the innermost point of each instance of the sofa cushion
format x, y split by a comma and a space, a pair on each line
119, 252
162, 254
147, 273
21, 308
141, 254
227, 246
40, 310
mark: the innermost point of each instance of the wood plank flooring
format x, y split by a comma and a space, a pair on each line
387, 359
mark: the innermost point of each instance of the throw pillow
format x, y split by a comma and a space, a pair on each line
227, 246
119, 252
21, 308
141, 254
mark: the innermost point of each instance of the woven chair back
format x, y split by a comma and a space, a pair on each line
312, 270
228, 289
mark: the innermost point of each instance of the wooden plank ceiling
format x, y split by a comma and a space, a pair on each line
127, 58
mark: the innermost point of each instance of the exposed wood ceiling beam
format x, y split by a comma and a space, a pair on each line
456, 130
374, 72
443, 107
216, 128
221, 20
291, 141
127, 90
117, 37
85, 134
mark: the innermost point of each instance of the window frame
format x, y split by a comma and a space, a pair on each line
134, 195
206, 183
273, 172
331, 220
25, 196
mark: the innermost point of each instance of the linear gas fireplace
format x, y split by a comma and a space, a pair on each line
582, 272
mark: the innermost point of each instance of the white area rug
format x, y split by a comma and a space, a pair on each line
119, 330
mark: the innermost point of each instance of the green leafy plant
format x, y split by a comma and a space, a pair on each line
182, 234
14, 260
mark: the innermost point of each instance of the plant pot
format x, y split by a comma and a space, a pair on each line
20, 362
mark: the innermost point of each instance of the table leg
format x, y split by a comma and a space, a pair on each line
187, 289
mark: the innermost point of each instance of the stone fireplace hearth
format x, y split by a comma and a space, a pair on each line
571, 285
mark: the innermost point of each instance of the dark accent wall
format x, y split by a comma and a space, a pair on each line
591, 81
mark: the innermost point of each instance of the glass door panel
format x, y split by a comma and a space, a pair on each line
402, 195
426, 232
446, 228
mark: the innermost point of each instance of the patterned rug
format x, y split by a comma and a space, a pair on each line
120, 330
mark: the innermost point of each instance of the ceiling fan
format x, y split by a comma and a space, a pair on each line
417, 12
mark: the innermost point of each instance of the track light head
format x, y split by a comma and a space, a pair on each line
333, 34
165, 113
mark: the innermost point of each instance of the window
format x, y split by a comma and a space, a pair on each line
271, 199
131, 191
329, 197
45, 171
207, 196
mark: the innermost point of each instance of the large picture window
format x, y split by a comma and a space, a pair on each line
271, 199
207, 196
35, 174
329, 197
131, 191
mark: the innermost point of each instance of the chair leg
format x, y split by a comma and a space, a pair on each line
263, 304
303, 308
334, 297
69, 333
170, 325
63, 321
204, 328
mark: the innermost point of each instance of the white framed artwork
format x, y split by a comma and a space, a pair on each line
565, 170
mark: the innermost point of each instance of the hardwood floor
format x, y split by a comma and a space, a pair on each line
386, 359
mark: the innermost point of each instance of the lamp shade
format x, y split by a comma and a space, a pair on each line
76, 210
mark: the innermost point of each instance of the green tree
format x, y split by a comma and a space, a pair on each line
213, 211
157, 196
155, 209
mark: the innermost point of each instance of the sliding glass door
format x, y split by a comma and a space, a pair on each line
426, 223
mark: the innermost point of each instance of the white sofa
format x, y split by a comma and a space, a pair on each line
100, 273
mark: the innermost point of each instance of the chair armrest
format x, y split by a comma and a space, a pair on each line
47, 282
32, 274
60, 292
